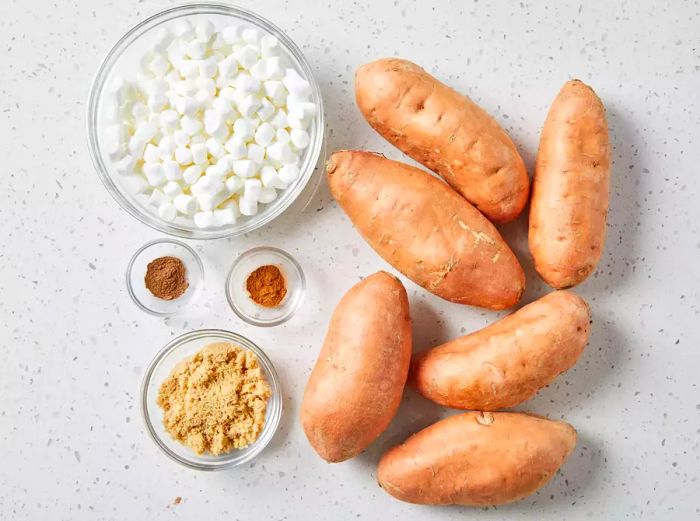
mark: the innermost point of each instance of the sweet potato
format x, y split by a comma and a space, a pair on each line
356, 385
507, 362
476, 458
571, 188
445, 131
426, 230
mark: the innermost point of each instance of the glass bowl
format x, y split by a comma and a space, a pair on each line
239, 298
160, 368
136, 271
123, 59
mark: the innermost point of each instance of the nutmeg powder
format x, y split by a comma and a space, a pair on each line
166, 278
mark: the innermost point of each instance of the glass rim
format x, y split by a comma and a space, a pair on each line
275, 402
98, 85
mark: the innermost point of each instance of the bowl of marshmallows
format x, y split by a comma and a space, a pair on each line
205, 121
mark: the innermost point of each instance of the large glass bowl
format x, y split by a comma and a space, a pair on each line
123, 59
160, 368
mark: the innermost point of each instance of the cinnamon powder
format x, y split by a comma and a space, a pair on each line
266, 286
166, 278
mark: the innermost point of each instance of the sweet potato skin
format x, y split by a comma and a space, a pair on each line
571, 188
445, 131
477, 459
507, 362
426, 230
356, 385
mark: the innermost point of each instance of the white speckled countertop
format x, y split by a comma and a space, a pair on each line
74, 346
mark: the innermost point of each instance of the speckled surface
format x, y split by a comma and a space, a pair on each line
75, 347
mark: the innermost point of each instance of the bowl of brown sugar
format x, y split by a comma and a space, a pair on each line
164, 277
265, 286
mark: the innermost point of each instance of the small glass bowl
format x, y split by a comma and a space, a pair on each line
239, 298
123, 59
160, 368
136, 271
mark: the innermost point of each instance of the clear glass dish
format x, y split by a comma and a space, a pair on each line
122, 60
159, 369
239, 298
136, 271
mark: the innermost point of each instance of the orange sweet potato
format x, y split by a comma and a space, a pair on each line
356, 385
507, 362
476, 458
571, 188
426, 230
445, 131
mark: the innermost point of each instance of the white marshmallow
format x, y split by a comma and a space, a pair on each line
251, 36
256, 153
204, 219
264, 134
183, 155
259, 70
246, 84
282, 135
222, 134
169, 119
248, 206
288, 173
125, 166
273, 68
233, 34
122, 90
208, 184
167, 211
204, 30
208, 67
266, 110
162, 39
218, 43
190, 124
275, 92
196, 48
197, 139
156, 86
301, 124
245, 168
214, 171
199, 153
186, 105
181, 137
252, 189
115, 137
270, 178
188, 69
145, 132
166, 147
185, 204
136, 146
295, 84
223, 107
300, 138
154, 174
207, 84
215, 148
279, 120
208, 202
249, 106
247, 55
183, 29
204, 98
267, 195
225, 164
139, 110
172, 170
135, 184
175, 53
279, 152
269, 45
112, 111
228, 67
225, 216
243, 129
236, 147
157, 198
213, 120
151, 154
234, 185
192, 174
172, 189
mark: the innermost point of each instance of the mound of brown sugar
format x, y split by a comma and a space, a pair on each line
215, 401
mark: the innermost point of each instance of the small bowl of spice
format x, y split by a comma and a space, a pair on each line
265, 286
211, 399
164, 277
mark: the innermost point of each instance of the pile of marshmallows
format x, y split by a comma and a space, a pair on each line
214, 124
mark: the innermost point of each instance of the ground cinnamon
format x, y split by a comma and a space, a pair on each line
166, 278
266, 286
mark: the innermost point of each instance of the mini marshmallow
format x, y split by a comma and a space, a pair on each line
154, 174
208, 202
204, 30
222, 106
189, 68
151, 154
266, 110
115, 136
215, 148
125, 166
267, 195
204, 219
249, 106
122, 90
295, 84
273, 68
279, 120
136, 146
246, 84
185, 204
243, 128
234, 185
139, 110
185, 88
196, 48
183, 29
186, 105
197, 139
190, 124
248, 206
269, 45
252, 189
183, 155
212, 121
270, 178
112, 111
275, 92
208, 67
156, 198
214, 171
162, 39
247, 56
221, 82
225, 216
199, 153
244, 168
279, 152
167, 211
256, 153
222, 134
282, 135
166, 147
301, 124
208, 185
156, 86
169, 119
300, 138
172, 189
259, 70
207, 84
145, 132
228, 67
251, 36
288, 173
264, 134
232, 34
175, 54
192, 174
181, 137
172, 170
135, 184
218, 43
236, 147
225, 165
228, 93
204, 98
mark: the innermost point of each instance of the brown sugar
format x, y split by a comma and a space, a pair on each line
166, 278
266, 286
215, 401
